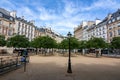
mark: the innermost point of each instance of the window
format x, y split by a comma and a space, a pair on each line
113, 20
118, 18
0, 21
11, 18
10, 25
109, 22
110, 28
100, 33
110, 33
118, 24
119, 32
103, 32
9, 32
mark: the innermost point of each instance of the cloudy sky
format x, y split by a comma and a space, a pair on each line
61, 15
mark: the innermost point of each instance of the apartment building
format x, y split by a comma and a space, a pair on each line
78, 31
11, 25
24, 27
113, 26
6, 23
85, 30
101, 29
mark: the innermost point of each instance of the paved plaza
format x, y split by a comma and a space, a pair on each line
55, 68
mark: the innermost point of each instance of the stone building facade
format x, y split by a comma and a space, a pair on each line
6, 23
113, 26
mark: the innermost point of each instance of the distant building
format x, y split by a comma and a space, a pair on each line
6, 23
48, 32
78, 32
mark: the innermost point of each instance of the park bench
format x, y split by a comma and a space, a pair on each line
7, 64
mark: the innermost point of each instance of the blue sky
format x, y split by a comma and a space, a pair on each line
61, 15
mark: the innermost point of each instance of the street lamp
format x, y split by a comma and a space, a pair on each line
69, 70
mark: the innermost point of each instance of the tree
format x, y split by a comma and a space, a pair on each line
2, 40
73, 43
44, 42
96, 43
115, 43
82, 44
18, 41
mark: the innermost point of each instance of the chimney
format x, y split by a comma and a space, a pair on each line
22, 17
109, 16
13, 13
97, 21
32, 21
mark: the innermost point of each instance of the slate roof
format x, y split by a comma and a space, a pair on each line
6, 14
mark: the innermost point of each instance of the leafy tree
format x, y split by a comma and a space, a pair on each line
43, 42
48, 42
18, 41
96, 43
63, 44
2, 40
82, 44
115, 43
73, 43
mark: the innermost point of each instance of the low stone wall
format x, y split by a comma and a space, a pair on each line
4, 50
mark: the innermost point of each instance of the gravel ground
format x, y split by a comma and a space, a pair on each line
55, 68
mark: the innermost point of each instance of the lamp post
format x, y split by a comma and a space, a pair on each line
69, 70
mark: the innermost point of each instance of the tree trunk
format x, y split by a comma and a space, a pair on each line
45, 51
52, 51
36, 50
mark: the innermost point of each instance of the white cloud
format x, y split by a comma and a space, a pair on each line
46, 14
102, 4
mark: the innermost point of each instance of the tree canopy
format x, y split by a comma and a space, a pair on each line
18, 41
2, 40
65, 43
96, 43
44, 42
82, 44
115, 43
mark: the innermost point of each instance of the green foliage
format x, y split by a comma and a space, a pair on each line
82, 44
63, 44
44, 42
96, 43
73, 43
2, 40
115, 43
19, 41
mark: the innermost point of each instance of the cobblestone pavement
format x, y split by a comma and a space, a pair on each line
55, 67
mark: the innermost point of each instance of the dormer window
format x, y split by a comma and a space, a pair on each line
109, 21
113, 20
11, 18
118, 18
